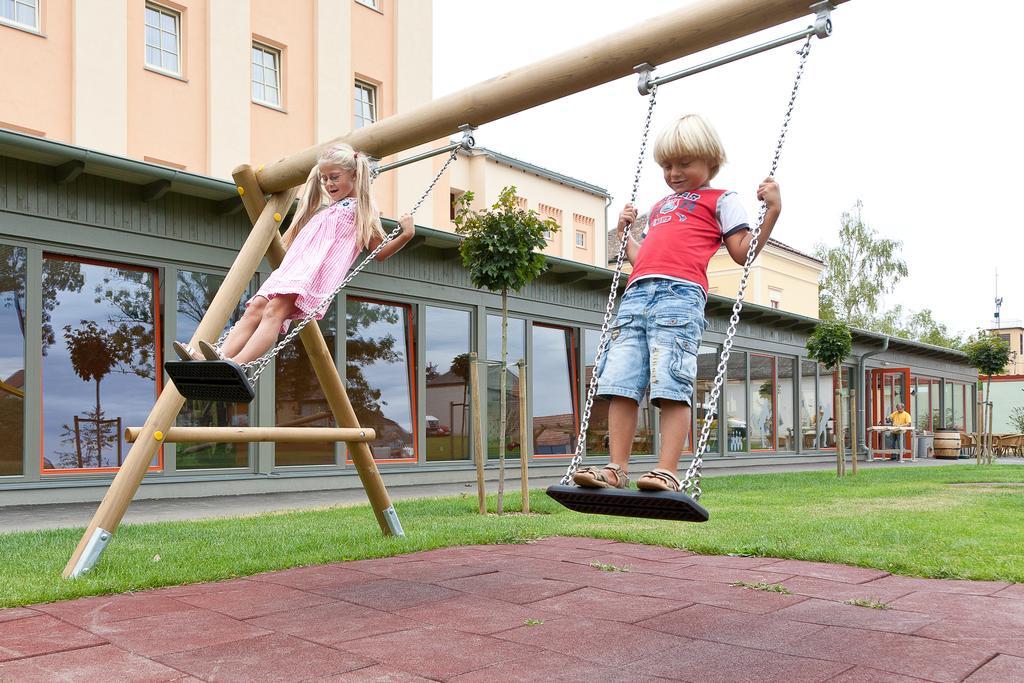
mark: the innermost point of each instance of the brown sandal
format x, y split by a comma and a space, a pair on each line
659, 480
597, 478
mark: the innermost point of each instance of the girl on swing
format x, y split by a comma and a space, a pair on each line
335, 220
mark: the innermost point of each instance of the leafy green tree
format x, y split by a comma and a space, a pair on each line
858, 272
917, 326
830, 345
990, 355
501, 250
1017, 418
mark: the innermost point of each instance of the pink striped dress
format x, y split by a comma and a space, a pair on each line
317, 261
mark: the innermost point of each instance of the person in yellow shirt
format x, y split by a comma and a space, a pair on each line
898, 418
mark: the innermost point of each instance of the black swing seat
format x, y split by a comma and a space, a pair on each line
210, 380
677, 507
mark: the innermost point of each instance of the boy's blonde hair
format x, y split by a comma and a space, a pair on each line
315, 197
690, 137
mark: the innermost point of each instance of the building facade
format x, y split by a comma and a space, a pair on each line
111, 273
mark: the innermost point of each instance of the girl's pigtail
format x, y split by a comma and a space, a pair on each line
367, 217
312, 200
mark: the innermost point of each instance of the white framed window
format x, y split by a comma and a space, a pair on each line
365, 105
20, 13
774, 297
372, 4
163, 39
266, 75
581, 239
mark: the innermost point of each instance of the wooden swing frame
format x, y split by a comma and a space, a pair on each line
684, 32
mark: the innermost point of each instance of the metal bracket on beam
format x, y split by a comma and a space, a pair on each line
68, 171
644, 71
155, 190
465, 143
391, 517
91, 554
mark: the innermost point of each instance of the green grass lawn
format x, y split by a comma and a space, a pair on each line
915, 521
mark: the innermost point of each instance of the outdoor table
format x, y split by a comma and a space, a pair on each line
884, 453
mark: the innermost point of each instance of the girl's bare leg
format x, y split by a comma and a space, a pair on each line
244, 328
276, 312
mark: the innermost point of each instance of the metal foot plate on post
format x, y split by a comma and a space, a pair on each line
394, 525
91, 555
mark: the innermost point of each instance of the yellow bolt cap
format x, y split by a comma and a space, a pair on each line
158, 435
277, 217
260, 168
241, 191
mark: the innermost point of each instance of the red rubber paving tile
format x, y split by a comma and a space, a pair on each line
647, 552
596, 641
821, 570
433, 572
835, 590
547, 552
724, 574
732, 561
703, 622
369, 565
41, 635
308, 578
437, 653
734, 597
1015, 591
863, 674
576, 541
600, 604
998, 610
196, 588
12, 613
634, 564
89, 612
511, 588
910, 584
176, 632
374, 674
549, 666
255, 600
1002, 669
538, 568
894, 652
274, 657
716, 662
476, 614
978, 632
101, 663
391, 595
334, 622
829, 613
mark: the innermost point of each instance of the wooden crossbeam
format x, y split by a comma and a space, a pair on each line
254, 434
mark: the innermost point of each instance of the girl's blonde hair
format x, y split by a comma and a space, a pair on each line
315, 197
690, 137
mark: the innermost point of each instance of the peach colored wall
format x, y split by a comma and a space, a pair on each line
796, 277
228, 97
275, 134
167, 115
39, 98
373, 61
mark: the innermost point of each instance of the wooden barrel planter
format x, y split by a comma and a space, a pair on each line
947, 443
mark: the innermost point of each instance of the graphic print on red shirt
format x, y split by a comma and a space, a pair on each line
684, 231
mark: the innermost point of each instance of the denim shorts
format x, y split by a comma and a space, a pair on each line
653, 342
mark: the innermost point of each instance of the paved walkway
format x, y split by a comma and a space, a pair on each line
544, 611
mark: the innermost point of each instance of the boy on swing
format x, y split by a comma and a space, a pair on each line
656, 335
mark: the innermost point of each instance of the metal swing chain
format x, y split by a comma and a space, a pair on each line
256, 367
691, 482
577, 458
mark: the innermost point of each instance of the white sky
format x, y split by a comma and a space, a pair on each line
907, 103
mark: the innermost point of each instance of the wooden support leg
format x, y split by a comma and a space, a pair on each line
111, 510
327, 374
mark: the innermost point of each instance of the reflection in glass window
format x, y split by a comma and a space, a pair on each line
301, 401
762, 402
845, 400
12, 359
597, 433
707, 367
516, 350
99, 360
554, 390
194, 296
784, 403
736, 402
825, 426
162, 45
808, 404
379, 373
447, 376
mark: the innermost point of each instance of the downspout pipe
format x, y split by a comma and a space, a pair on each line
862, 392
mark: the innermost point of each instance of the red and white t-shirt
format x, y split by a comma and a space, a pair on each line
684, 231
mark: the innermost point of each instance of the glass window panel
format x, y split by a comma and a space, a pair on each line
825, 426
597, 432
194, 296
379, 375
808, 405
271, 95
762, 402
707, 367
257, 91
736, 402
99, 360
301, 401
785, 403
169, 42
152, 56
553, 391
257, 73
152, 37
447, 377
171, 62
947, 406
516, 349
922, 405
12, 359
168, 22
969, 407
7, 9
26, 14
152, 17
958, 407
845, 387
